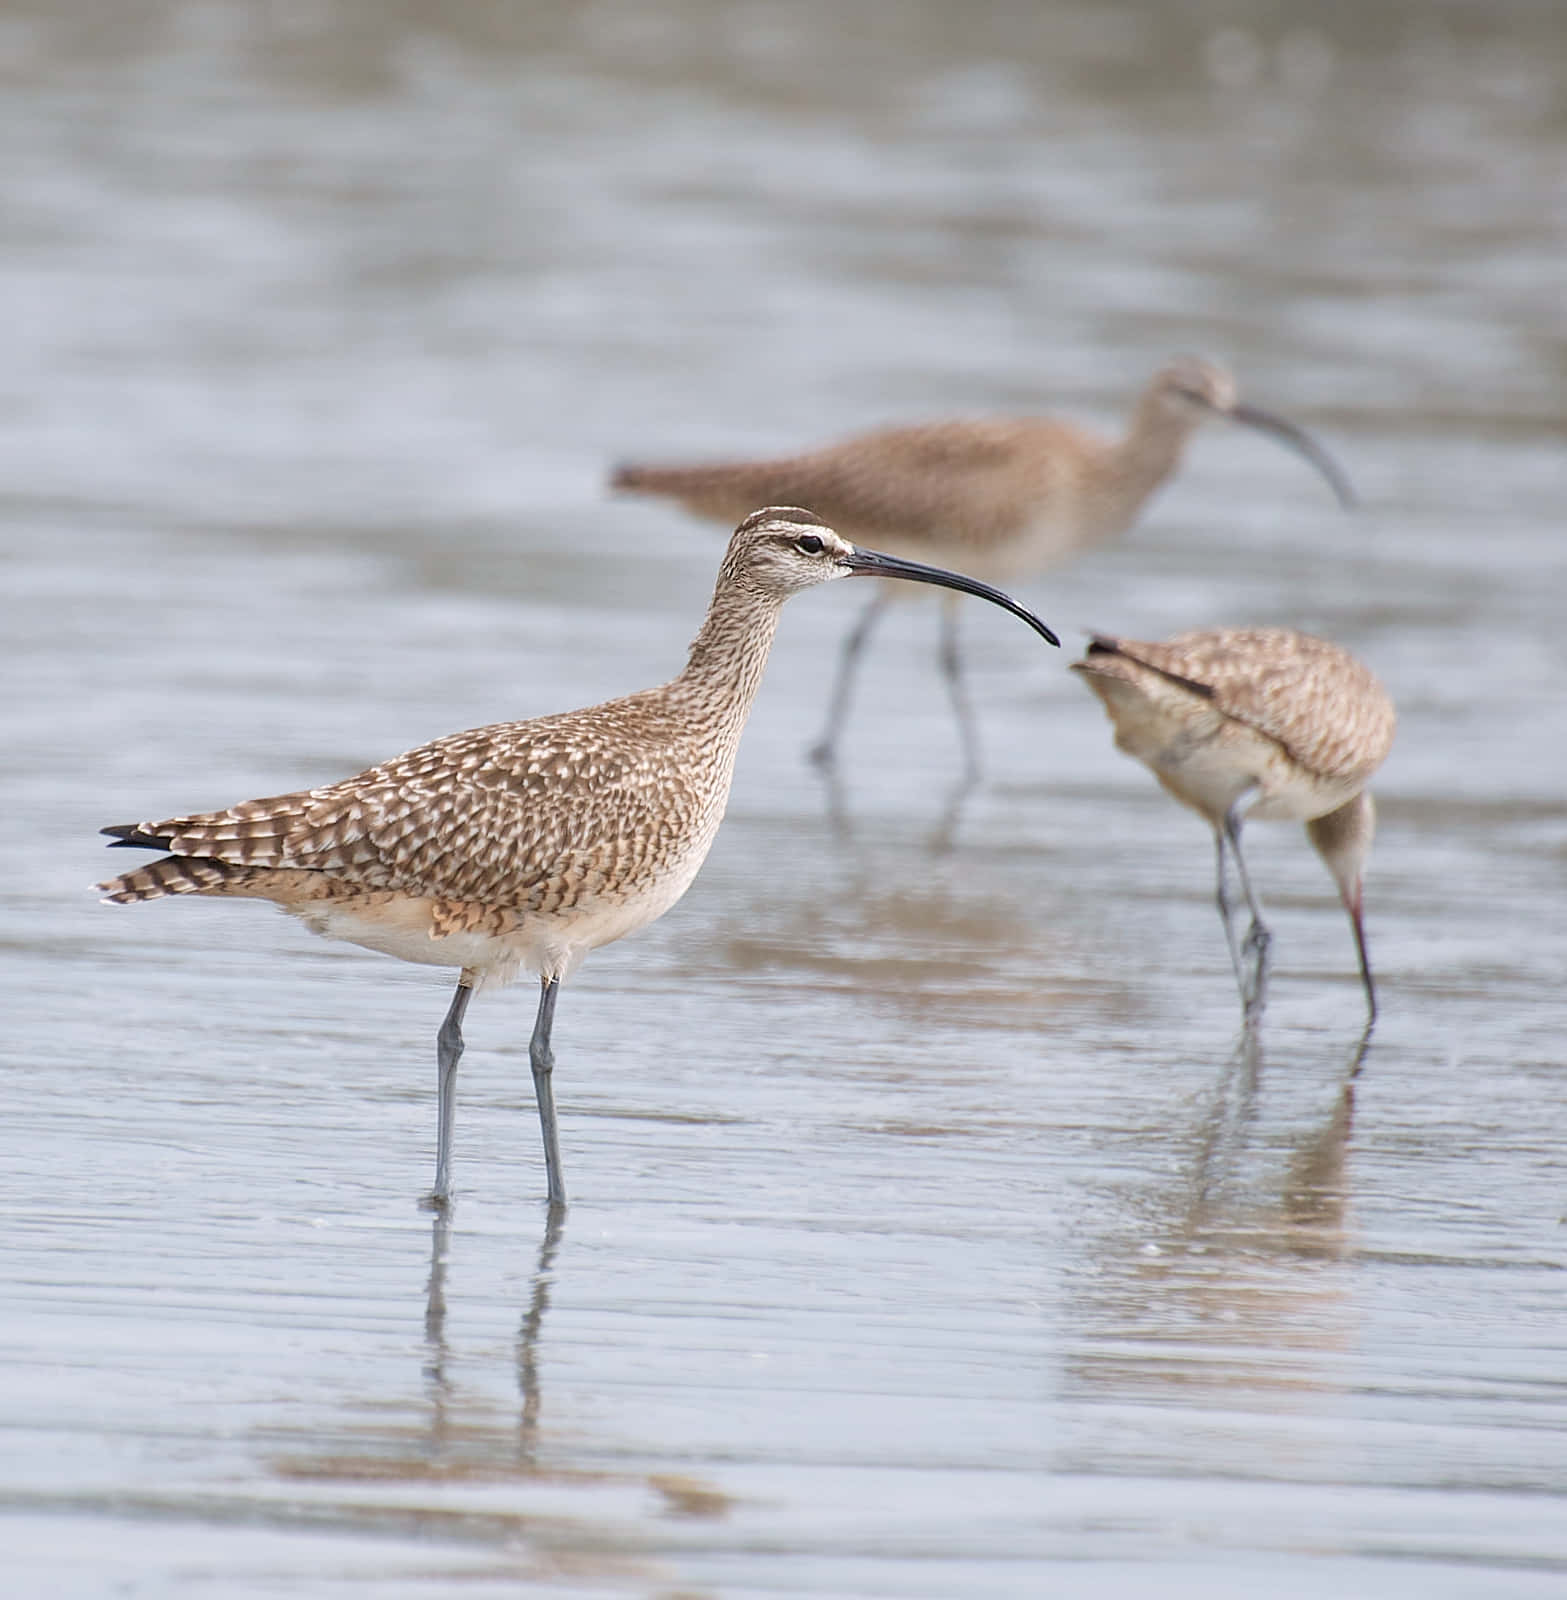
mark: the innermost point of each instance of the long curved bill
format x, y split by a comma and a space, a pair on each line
1301, 442
1357, 921
872, 564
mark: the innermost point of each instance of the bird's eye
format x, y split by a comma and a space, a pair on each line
809, 544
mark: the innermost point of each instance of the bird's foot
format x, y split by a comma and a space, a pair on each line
1254, 963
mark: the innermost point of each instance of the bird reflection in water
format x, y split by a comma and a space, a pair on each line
1227, 1302
1314, 1193
468, 1451
943, 836
438, 1355
528, 1334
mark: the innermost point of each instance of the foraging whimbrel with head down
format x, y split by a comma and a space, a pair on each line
526, 844
1002, 498
1255, 722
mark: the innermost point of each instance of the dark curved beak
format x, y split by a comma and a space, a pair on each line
1301, 442
872, 564
1357, 921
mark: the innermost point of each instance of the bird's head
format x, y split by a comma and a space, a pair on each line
1187, 389
1190, 388
781, 550
784, 549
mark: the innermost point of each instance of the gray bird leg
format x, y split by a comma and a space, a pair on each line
952, 671
1226, 911
1254, 948
448, 1052
825, 751
542, 1059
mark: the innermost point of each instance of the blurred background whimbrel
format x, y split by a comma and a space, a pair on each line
1003, 498
1255, 722
526, 844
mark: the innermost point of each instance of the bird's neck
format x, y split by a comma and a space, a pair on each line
1145, 455
1343, 839
728, 655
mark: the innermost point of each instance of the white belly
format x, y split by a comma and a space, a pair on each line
1209, 761
1210, 776
552, 945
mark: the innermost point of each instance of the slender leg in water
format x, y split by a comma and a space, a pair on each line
1252, 960
825, 751
448, 1052
1226, 910
542, 1059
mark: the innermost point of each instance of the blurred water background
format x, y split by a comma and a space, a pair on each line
930, 1237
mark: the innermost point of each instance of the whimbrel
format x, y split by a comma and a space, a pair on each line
526, 844
1003, 498
1255, 722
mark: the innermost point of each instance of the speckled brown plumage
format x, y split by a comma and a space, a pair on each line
520, 822
535, 815
523, 844
517, 819
1255, 722
1323, 707
968, 489
1002, 498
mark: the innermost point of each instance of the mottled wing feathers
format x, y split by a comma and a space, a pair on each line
530, 816
1322, 705
1101, 644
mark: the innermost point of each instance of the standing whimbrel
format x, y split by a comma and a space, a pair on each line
1255, 722
526, 844
1003, 498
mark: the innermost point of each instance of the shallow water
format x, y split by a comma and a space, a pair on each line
931, 1235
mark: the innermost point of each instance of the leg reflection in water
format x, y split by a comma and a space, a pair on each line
528, 1334
443, 1428
1316, 1167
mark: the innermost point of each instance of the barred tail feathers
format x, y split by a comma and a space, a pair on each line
171, 875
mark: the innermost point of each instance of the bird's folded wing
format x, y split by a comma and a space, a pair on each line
489, 816
1321, 704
